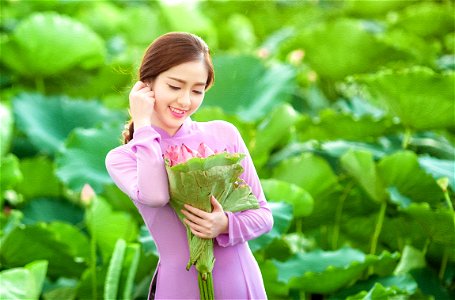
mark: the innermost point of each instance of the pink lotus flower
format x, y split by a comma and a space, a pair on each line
180, 154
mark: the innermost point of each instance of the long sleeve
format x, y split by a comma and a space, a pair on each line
248, 224
137, 168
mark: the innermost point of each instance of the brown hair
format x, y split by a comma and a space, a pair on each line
167, 51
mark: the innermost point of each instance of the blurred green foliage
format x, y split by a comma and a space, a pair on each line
347, 108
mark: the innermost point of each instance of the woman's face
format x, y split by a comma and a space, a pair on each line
179, 92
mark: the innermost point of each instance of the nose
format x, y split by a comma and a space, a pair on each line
184, 99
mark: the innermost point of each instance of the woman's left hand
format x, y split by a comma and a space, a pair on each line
204, 224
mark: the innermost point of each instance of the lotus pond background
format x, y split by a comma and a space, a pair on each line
347, 108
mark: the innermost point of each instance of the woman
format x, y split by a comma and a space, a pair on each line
175, 73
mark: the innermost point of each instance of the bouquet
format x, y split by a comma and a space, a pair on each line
194, 176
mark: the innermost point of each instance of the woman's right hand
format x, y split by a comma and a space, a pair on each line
142, 103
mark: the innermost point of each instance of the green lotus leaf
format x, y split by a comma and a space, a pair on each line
300, 200
6, 130
282, 218
82, 158
331, 125
380, 292
48, 43
25, 244
402, 283
374, 8
426, 19
11, 173
439, 168
246, 87
402, 170
39, 178
310, 172
49, 210
409, 95
436, 224
47, 121
341, 47
107, 226
23, 283
411, 258
361, 166
274, 288
324, 271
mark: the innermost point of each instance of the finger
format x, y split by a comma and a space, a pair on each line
195, 211
195, 226
191, 217
138, 86
216, 205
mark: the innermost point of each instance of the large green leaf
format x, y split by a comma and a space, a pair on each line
310, 172
300, 200
6, 130
323, 271
331, 125
410, 95
245, 86
39, 178
437, 225
341, 47
52, 209
361, 166
282, 216
47, 121
107, 226
378, 291
439, 168
402, 170
82, 159
48, 43
23, 283
43, 242
426, 19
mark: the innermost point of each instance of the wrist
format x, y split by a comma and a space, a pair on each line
141, 123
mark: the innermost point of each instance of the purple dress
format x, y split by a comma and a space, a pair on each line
137, 168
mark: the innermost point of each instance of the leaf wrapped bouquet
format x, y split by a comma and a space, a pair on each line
194, 176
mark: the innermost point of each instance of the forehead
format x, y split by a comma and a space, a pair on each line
194, 72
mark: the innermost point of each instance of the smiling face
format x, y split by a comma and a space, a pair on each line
179, 92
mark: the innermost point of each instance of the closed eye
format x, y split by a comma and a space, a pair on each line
198, 92
175, 88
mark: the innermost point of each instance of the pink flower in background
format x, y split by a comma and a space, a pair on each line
180, 154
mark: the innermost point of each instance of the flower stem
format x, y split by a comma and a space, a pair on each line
338, 214
378, 227
406, 138
445, 259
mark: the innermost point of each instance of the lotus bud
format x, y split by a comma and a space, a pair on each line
87, 194
204, 150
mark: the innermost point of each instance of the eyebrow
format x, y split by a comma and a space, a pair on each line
183, 81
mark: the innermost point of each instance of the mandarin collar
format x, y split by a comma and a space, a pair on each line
184, 129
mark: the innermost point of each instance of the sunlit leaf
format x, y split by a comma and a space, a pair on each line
341, 47
23, 283
426, 19
107, 226
361, 166
48, 43
380, 292
39, 178
301, 200
409, 95
331, 125
439, 168
47, 121
308, 171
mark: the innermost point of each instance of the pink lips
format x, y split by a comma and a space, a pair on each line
177, 113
